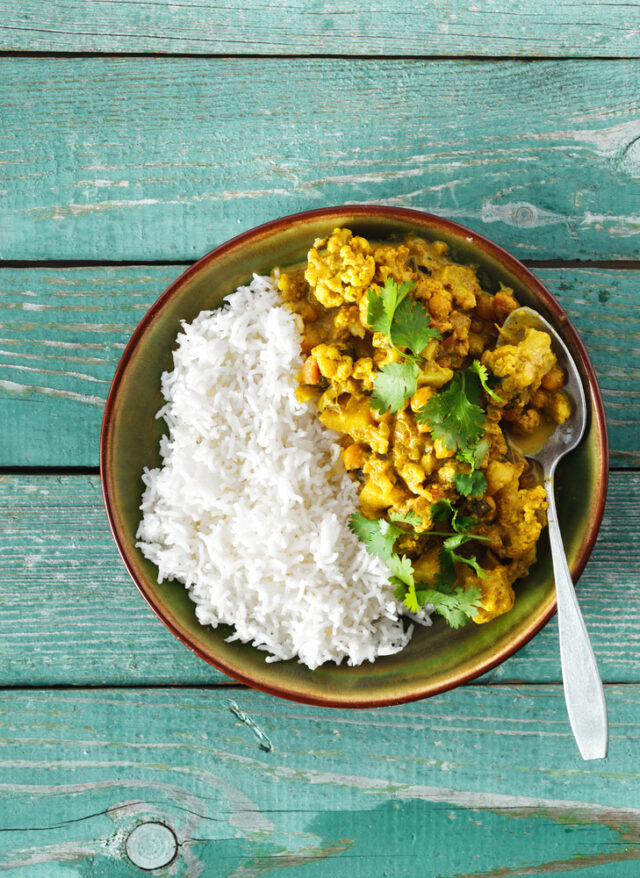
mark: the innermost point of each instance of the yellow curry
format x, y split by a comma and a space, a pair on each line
405, 470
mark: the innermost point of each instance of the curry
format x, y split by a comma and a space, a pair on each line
409, 469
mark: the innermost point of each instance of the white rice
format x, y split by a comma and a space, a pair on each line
249, 508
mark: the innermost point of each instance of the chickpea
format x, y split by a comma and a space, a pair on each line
559, 409
527, 423
354, 457
306, 310
540, 400
440, 306
512, 414
484, 307
554, 379
420, 397
504, 304
476, 344
428, 462
441, 451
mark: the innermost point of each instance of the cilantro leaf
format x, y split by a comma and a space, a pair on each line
401, 569
410, 517
454, 541
472, 484
441, 511
411, 327
474, 454
410, 600
378, 535
406, 323
445, 578
472, 562
382, 306
452, 415
457, 608
483, 375
393, 384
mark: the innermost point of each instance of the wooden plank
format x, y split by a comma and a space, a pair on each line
480, 782
62, 332
71, 615
141, 160
70, 611
399, 27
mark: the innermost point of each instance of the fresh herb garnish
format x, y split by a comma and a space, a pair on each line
411, 327
453, 415
456, 605
456, 608
457, 420
378, 535
407, 325
461, 525
483, 375
472, 484
394, 383
410, 517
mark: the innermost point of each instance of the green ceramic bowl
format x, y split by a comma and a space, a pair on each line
437, 658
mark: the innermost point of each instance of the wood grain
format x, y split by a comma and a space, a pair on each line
494, 27
137, 159
479, 782
69, 614
62, 332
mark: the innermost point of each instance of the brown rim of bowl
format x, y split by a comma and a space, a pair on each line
512, 264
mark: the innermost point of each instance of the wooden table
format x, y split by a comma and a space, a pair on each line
133, 138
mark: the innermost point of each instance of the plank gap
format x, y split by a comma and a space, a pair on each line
491, 59
49, 470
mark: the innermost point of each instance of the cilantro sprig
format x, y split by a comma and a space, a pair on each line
483, 375
456, 418
444, 510
453, 415
456, 604
457, 607
407, 325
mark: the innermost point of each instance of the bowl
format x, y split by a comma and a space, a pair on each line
437, 658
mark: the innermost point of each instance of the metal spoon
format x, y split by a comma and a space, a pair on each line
582, 684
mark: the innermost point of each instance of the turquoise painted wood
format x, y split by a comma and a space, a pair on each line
493, 27
480, 782
140, 159
69, 613
62, 332
159, 159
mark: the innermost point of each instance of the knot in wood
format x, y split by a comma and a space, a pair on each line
151, 846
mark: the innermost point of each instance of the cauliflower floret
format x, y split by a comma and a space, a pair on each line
521, 366
497, 593
363, 372
392, 262
340, 268
521, 514
347, 322
332, 363
461, 280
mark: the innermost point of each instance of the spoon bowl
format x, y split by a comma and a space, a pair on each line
566, 436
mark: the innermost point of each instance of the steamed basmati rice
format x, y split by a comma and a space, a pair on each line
249, 508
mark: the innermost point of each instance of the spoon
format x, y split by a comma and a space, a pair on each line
583, 691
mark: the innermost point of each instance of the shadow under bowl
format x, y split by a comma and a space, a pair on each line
437, 658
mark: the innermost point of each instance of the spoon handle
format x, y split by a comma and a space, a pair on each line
583, 691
